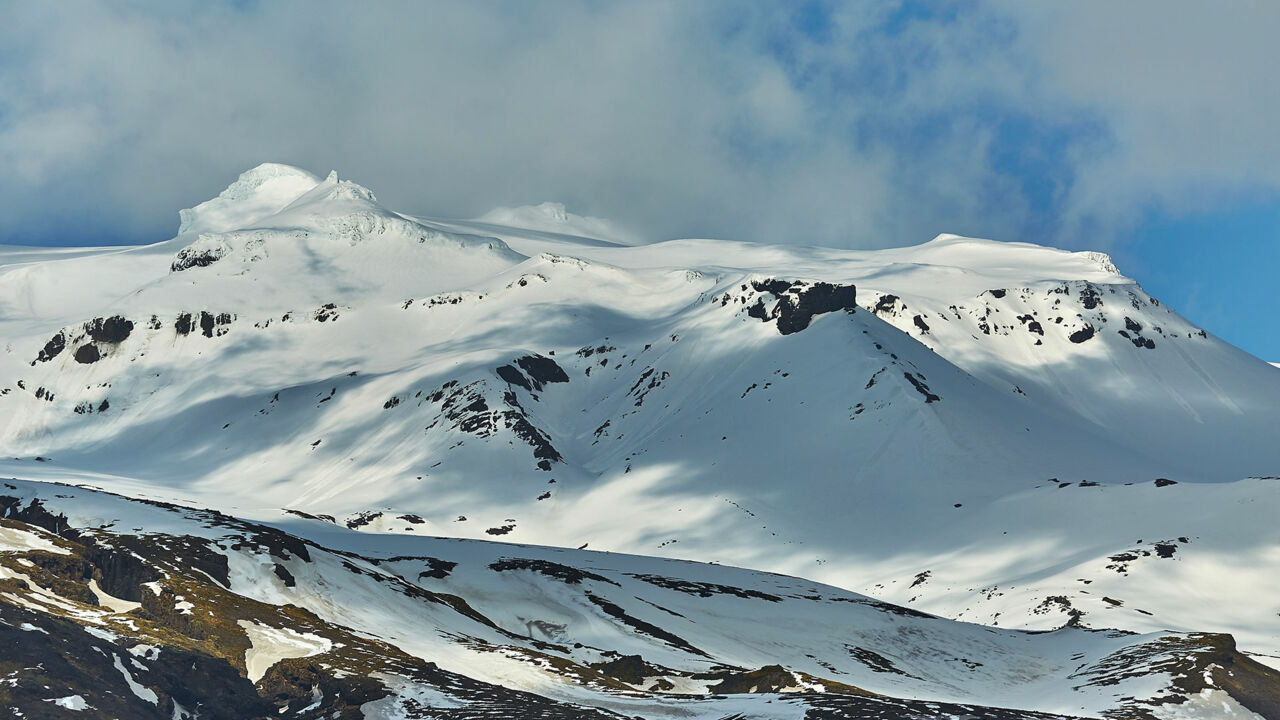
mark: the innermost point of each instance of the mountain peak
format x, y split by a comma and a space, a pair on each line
1025, 257
333, 195
257, 193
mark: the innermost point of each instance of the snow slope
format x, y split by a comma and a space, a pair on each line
393, 624
972, 427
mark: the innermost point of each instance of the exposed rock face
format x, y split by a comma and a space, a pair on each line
468, 410
509, 374
795, 315
887, 302
108, 331
112, 330
798, 302
194, 257
542, 370
918, 383
87, 354
161, 659
53, 348
1082, 334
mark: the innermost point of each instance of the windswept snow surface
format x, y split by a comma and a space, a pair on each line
1001, 432
553, 218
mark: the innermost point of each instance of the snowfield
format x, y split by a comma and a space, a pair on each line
997, 433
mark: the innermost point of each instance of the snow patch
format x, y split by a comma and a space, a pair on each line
143, 692
1210, 704
405, 693
14, 540
70, 702
115, 604
270, 645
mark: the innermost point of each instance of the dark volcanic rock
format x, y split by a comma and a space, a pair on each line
642, 626
799, 302
63, 659
53, 348
111, 330
542, 370
771, 678
704, 589
188, 258
918, 384
631, 669
1081, 335
87, 354
884, 304
563, 573
816, 300
772, 285
512, 376
1089, 297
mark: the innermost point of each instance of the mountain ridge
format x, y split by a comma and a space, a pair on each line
997, 432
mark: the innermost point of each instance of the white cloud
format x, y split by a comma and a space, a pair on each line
673, 118
1187, 91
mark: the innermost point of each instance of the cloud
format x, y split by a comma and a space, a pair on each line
1185, 92
842, 124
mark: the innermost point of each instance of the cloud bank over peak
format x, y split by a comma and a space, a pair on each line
815, 123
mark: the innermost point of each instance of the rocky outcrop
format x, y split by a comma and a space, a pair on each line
796, 303
112, 330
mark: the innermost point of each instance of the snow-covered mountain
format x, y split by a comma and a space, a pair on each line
205, 615
996, 432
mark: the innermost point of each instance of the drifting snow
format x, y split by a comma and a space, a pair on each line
551, 217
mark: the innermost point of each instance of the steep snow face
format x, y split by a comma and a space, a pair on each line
258, 193
333, 239
954, 425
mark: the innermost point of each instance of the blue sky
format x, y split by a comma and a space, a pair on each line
1142, 129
